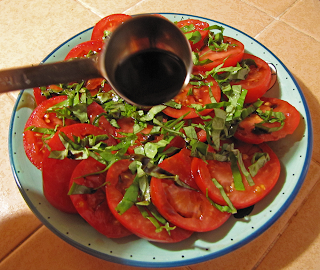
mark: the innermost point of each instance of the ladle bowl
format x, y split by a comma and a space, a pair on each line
147, 60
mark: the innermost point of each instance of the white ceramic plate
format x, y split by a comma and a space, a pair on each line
294, 152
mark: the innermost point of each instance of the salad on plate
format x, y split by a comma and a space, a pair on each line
165, 172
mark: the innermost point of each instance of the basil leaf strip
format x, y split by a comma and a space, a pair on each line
194, 37
153, 170
232, 209
237, 178
76, 189
243, 168
270, 117
258, 161
221, 208
130, 197
154, 221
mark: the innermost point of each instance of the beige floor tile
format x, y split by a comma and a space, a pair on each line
44, 250
16, 220
304, 16
298, 247
234, 13
40, 28
248, 257
302, 59
273, 8
103, 8
299, 52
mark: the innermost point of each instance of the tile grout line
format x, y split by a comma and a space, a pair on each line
95, 11
11, 98
278, 19
300, 31
266, 27
282, 231
128, 10
21, 243
87, 6
287, 9
264, 255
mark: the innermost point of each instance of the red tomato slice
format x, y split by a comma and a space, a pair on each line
246, 131
81, 50
200, 96
126, 126
201, 134
56, 173
108, 23
265, 179
186, 208
181, 162
95, 86
38, 95
232, 56
94, 110
56, 176
177, 142
94, 207
32, 141
119, 178
198, 26
258, 80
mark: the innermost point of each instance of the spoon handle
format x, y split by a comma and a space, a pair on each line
46, 74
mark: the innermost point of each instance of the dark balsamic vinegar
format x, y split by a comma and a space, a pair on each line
241, 213
150, 77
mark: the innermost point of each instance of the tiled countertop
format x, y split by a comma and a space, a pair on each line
31, 29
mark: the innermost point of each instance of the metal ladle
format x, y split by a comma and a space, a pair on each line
138, 34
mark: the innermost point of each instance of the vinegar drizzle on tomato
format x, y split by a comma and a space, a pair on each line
168, 153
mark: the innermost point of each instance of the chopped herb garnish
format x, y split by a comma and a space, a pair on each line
232, 209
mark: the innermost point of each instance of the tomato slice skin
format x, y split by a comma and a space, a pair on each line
32, 141
233, 54
38, 95
202, 134
81, 50
246, 133
177, 142
265, 179
132, 218
126, 126
258, 80
94, 110
108, 23
181, 162
186, 208
94, 207
199, 26
56, 173
79, 130
56, 176
200, 96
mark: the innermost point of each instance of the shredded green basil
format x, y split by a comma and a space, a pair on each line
258, 161
231, 209
130, 197
270, 117
154, 221
237, 178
